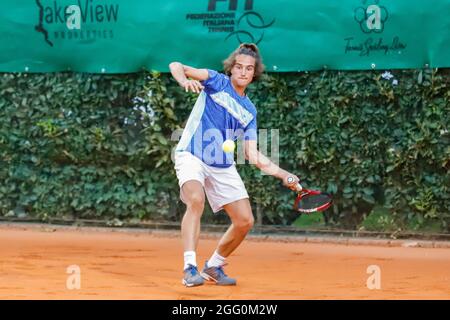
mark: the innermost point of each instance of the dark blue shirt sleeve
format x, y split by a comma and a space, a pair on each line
216, 81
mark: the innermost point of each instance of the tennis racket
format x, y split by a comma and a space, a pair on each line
309, 201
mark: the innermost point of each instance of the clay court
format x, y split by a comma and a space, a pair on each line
144, 264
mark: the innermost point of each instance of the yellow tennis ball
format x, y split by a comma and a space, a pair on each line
228, 146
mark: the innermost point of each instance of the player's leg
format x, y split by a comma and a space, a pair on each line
193, 195
191, 179
242, 220
194, 198
240, 213
226, 190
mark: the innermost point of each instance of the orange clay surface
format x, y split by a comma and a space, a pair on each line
148, 265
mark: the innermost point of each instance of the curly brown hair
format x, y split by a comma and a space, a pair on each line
249, 49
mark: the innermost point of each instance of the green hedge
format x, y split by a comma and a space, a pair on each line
92, 146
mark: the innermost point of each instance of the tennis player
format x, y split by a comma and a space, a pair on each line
222, 112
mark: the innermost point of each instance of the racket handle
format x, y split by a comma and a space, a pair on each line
298, 187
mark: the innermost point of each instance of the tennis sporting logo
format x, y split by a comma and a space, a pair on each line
371, 16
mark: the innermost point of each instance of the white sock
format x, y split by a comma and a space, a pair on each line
216, 260
190, 258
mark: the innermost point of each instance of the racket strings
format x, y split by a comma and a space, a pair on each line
313, 201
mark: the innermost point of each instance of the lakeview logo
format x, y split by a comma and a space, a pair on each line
221, 17
371, 18
69, 20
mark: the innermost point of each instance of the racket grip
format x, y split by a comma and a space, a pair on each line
298, 187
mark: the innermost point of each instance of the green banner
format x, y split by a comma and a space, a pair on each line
118, 36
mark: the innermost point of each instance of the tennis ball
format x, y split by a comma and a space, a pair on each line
228, 146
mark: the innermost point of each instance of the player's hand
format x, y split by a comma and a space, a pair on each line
290, 181
192, 85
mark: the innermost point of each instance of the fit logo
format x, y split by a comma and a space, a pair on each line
73, 281
374, 280
238, 19
371, 17
232, 4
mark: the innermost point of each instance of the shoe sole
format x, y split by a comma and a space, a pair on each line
189, 285
208, 277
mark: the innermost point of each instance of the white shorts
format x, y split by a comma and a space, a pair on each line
222, 185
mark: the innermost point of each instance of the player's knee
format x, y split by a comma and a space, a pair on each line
245, 224
196, 202
250, 222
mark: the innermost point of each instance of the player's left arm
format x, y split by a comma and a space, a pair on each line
254, 156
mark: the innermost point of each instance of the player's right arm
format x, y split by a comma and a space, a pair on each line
181, 73
267, 166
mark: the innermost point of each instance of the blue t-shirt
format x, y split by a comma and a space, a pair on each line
219, 114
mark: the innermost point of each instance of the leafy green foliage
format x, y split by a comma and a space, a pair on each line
84, 145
